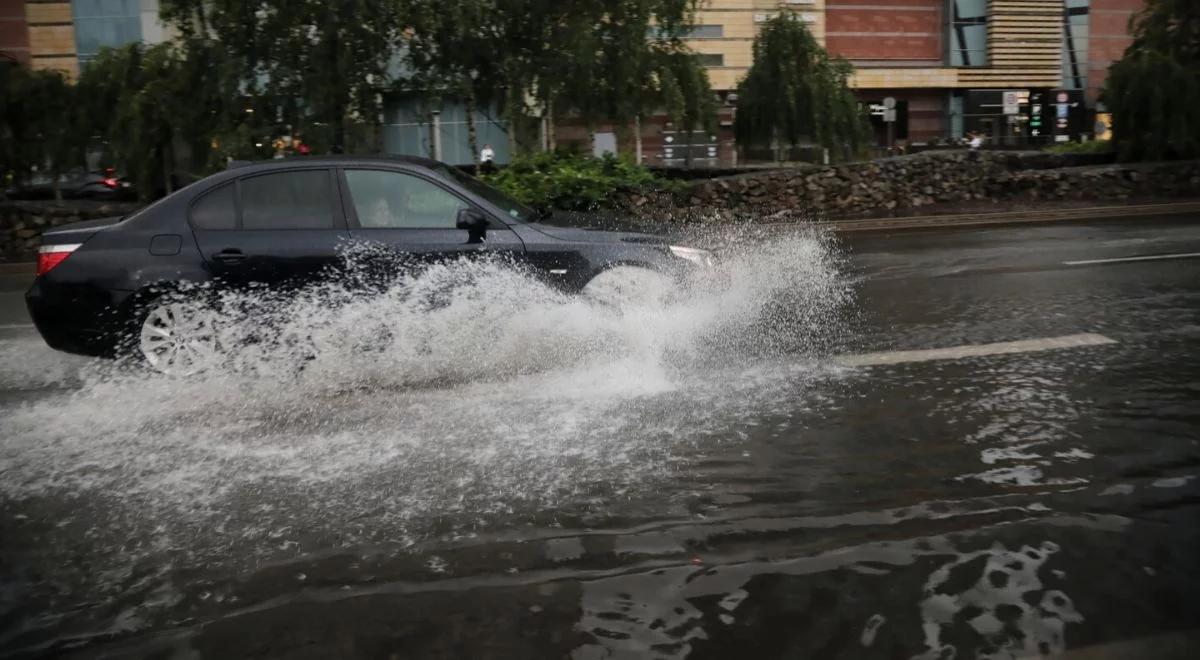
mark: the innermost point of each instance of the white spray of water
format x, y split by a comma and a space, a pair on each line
472, 388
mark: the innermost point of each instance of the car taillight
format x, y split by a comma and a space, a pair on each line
50, 256
110, 182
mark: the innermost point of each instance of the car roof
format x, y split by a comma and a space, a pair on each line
286, 163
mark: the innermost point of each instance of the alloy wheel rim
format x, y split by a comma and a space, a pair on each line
628, 286
177, 339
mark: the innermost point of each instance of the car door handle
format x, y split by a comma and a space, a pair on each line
230, 256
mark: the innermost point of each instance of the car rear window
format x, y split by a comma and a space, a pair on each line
216, 209
288, 200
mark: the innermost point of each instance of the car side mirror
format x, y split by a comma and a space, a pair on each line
474, 222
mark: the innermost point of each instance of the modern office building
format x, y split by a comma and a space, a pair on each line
64, 35
949, 65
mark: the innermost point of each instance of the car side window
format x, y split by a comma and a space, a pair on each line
300, 199
216, 209
394, 200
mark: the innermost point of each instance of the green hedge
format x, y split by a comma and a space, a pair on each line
575, 182
1089, 147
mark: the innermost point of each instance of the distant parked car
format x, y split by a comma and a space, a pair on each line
75, 184
109, 286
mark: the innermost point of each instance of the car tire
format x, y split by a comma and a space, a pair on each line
173, 334
625, 286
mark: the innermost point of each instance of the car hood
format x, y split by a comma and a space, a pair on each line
589, 235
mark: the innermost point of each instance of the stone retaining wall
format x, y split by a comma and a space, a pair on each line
22, 223
899, 185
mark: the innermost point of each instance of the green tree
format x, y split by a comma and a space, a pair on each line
1154, 89
317, 65
148, 101
38, 125
623, 59
589, 60
452, 55
682, 89
795, 92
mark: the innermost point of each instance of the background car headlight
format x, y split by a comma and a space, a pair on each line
694, 255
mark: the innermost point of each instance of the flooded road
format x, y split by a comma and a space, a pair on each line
763, 466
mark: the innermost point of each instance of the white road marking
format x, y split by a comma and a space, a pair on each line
978, 350
16, 326
1149, 257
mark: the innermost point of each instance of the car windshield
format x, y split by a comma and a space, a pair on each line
516, 210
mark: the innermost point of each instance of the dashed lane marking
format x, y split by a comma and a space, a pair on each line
1149, 257
977, 350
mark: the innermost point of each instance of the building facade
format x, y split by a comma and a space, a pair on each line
64, 36
14, 33
948, 65
1017, 71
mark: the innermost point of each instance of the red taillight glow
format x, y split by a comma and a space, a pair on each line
50, 256
110, 182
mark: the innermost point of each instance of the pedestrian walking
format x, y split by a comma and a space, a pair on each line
487, 159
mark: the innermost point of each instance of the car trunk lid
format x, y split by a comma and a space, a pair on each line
78, 232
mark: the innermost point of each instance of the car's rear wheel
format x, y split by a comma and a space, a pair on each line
176, 337
629, 286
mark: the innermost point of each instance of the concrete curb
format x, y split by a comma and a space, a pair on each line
1008, 217
18, 268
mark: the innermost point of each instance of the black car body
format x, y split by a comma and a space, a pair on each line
282, 222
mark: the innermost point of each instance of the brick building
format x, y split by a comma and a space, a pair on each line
14, 33
63, 36
947, 63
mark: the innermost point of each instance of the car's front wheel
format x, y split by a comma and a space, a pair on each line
175, 336
629, 286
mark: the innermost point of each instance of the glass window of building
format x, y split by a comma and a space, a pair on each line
1075, 44
968, 33
710, 59
105, 23
694, 32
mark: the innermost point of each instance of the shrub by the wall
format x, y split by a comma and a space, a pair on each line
577, 183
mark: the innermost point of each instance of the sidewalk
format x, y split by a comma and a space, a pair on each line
1001, 218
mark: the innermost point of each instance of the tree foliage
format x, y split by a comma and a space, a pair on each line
241, 73
590, 60
796, 93
39, 124
573, 182
450, 55
151, 102
1154, 89
319, 65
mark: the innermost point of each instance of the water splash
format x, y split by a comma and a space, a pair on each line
472, 387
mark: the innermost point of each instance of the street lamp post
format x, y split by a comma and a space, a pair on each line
437, 135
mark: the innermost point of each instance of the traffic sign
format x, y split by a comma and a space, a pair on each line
1012, 103
889, 115
889, 103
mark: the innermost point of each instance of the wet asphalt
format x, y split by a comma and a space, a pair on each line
1015, 505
